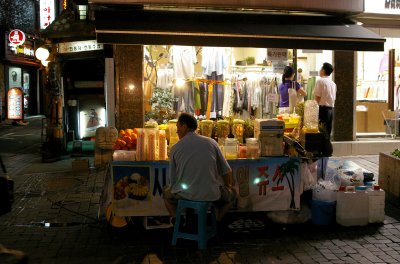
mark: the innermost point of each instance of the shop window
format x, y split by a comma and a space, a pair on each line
244, 81
82, 12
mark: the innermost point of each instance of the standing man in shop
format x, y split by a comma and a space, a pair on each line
325, 95
198, 170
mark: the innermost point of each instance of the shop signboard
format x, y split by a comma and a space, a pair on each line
15, 103
277, 54
47, 14
79, 46
265, 184
23, 53
382, 7
16, 37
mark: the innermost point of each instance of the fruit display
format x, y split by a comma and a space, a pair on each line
127, 139
133, 187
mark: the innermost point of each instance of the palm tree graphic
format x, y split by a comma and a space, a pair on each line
285, 170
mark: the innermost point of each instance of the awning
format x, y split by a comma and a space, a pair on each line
233, 29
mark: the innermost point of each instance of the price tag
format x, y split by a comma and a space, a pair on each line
273, 98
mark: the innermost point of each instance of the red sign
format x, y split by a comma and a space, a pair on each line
15, 103
16, 37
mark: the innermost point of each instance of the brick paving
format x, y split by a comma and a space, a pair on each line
70, 201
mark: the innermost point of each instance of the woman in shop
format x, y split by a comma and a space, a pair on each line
289, 91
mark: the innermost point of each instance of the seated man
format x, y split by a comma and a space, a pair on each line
198, 170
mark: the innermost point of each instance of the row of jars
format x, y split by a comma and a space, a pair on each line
206, 128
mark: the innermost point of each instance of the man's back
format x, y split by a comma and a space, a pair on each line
196, 167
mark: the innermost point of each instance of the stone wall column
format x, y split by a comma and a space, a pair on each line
129, 86
344, 63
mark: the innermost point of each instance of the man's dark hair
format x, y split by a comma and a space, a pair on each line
188, 120
328, 68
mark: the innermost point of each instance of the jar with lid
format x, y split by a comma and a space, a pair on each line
231, 148
151, 138
238, 129
253, 148
223, 130
206, 127
173, 136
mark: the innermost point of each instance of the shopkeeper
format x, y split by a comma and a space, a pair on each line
285, 87
198, 170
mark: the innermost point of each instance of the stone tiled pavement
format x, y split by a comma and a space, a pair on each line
52, 193
69, 202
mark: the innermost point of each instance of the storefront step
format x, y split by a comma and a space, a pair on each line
367, 147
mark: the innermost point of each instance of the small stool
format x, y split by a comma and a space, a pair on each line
204, 232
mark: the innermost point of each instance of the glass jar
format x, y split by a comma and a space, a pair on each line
231, 148
253, 148
238, 129
223, 128
206, 127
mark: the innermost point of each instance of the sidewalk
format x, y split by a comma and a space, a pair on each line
54, 219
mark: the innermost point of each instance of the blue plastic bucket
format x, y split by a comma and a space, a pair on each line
323, 213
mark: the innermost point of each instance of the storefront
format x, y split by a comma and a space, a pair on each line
377, 83
164, 56
21, 70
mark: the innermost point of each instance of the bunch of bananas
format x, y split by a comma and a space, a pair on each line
137, 191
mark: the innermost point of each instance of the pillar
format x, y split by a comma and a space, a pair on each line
344, 63
129, 86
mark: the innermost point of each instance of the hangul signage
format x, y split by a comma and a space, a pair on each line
15, 103
23, 51
47, 14
277, 54
382, 6
16, 37
79, 46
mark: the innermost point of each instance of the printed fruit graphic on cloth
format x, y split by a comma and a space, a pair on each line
135, 187
126, 139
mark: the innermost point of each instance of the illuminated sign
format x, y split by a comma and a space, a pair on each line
79, 46
47, 14
16, 37
382, 7
15, 103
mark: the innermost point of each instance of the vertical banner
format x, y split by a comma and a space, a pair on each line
15, 103
47, 14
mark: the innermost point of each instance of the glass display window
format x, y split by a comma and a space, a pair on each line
219, 82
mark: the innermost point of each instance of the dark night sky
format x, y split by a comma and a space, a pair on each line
18, 14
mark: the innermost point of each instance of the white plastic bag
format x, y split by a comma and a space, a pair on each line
292, 99
308, 175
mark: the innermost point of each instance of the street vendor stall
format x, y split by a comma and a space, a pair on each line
264, 184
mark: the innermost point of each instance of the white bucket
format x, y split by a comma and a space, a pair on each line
352, 206
376, 201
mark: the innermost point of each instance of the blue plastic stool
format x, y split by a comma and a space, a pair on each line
204, 232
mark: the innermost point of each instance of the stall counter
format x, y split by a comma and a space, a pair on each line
265, 184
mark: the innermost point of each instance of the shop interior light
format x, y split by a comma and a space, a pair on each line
131, 86
42, 54
180, 82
